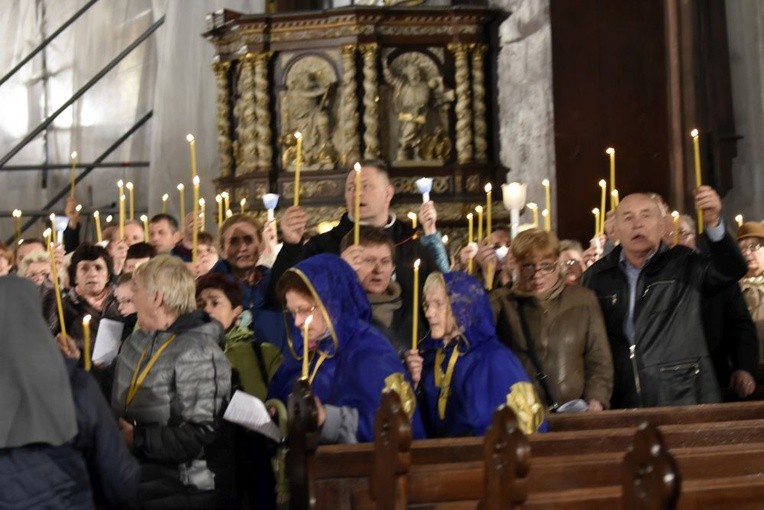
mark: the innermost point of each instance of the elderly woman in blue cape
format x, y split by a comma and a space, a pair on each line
350, 362
462, 371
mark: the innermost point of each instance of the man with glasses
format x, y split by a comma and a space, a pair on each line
750, 238
652, 296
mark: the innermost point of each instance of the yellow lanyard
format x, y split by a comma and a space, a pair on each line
444, 381
321, 358
137, 379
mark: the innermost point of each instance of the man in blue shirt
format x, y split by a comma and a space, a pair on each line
651, 297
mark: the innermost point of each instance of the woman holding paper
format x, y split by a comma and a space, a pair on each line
170, 386
349, 361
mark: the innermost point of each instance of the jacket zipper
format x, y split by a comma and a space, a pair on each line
633, 358
682, 367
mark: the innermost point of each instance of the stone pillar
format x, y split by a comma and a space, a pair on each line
224, 124
349, 116
478, 102
463, 108
246, 131
262, 112
370, 101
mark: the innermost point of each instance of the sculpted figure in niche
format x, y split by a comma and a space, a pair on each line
417, 91
309, 93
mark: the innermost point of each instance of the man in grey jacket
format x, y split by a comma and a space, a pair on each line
651, 298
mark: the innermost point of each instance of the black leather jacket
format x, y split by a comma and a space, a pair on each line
669, 363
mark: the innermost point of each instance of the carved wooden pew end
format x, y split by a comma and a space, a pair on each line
392, 457
650, 477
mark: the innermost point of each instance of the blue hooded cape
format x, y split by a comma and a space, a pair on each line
360, 358
485, 371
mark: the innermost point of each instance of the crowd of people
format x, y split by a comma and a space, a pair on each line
652, 314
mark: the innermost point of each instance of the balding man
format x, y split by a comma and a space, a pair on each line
651, 297
376, 194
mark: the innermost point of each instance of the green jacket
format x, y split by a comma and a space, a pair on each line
242, 351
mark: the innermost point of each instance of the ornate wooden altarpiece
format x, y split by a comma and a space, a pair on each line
412, 86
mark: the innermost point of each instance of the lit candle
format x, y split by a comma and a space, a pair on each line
46, 235
488, 204
122, 216
469, 237
305, 345
415, 307
548, 215
54, 230
603, 191
226, 201
614, 201
97, 216
17, 222
145, 220
412, 217
165, 197
182, 196
698, 176
242, 205
297, 166
738, 219
228, 213
120, 189
535, 208
192, 148
219, 200
195, 224
86, 342
73, 173
109, 218
611, 152
424, 185
131, 194
357, 211
675, 216
57, 289
479, 211
596, 213
202, 214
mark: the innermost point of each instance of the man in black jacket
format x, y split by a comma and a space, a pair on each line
651, 297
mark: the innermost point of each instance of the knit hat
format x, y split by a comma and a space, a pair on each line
750, 229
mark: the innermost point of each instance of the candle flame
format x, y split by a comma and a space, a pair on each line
603, 183
614, 192
357, 166
444, 239
610, 150
96, 214
411, 215
469, 216
488, 188
218, 198
694, 133
308, 320
78, 208
479, 208
144, 217
120, 183
165, 197
416, 263
17, 213
674, 214
181, 187
122, 197
545, 183
129, 185
243, 202
74, 155
596, 210
46, 232
201, 202
532, 206
224, 194
545, 212
190, 138
196, 181
739, 219
52, 216
298, 135
86, 320
109, 218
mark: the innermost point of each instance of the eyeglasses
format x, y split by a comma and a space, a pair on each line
544, 268
435, 305
572, 262
751, 248
301, 312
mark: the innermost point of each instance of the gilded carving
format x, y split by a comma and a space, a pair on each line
314, 189
351, 137
463, 109
473, 183
307, 107
478, 102
370, 101
224, 125
245, 146
262, 112
421, 102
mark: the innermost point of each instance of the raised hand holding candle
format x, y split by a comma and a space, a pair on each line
469, 237
424, 185
192, 147
596, 213
488, 206
698, 174
305, 345
73, 174
17, 223
131, 194
412, 216
297, 166
479, 211
182, 196
99, 236
57, 289
415, 307
738, 219
535, 208
611, 152
675, 216
548, 197
165, 197
145, 220
357, 210
86, 342
195, 224
603, 191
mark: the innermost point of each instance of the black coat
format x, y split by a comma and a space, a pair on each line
671, 355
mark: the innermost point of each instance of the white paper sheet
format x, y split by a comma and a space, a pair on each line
250, 413
107, 341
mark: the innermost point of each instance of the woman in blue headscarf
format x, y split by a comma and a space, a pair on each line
462, 371
350, 362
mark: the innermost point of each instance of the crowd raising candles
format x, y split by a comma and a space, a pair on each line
148, 331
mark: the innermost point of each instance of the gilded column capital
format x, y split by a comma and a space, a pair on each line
221, 67
349, 49
262, 57
459, 49
368, 48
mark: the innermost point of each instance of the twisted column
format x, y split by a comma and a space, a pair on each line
225, 161
262, 112
349, 108
463, 110
370, 101
478, 102
246, 130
